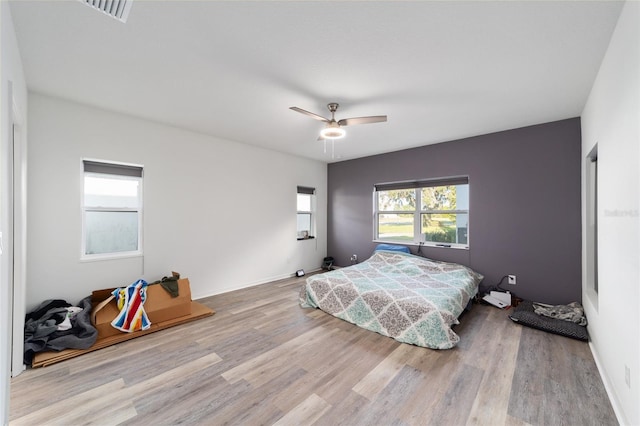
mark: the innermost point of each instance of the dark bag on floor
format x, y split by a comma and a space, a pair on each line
327, 263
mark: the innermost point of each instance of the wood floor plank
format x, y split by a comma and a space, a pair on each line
194, 403
115, 415
333, 380
374, 382
485, 330
262, 359
174, 375
458, 397
513, 421
438, 371
429, 387
256, 405
492, 400
528, 379
586, 382
84, 405
392, 404
257, 365
261, 303
305, 413
348, 365
347, 412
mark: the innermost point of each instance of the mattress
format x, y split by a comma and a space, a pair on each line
412, 299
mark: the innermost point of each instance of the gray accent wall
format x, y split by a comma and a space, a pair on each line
524, 205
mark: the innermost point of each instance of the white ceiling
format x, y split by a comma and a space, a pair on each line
440, 70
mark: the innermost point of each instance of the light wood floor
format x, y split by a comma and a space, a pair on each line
264, 360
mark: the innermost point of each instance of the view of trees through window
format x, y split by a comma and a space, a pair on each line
438, 214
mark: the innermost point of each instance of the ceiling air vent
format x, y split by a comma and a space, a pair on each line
118, 9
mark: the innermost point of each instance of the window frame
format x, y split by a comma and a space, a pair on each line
418, 211
591, 201
119, 170
311, 213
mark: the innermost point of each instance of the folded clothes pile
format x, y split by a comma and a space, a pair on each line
573, 312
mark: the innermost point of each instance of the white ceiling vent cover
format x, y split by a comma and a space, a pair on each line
118, 9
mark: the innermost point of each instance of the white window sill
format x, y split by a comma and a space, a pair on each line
435, 245
109, 256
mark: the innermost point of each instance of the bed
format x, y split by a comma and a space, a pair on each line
410, 298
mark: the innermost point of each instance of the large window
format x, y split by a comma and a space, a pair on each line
112, 209
432, 212
306, 206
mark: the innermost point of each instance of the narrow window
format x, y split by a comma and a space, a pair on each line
435, 212
592, 219
306, 206
112, 209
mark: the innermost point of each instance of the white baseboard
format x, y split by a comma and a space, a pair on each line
250, 284
609, 388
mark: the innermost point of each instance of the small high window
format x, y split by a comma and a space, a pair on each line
306, 207
432, 212
112, 209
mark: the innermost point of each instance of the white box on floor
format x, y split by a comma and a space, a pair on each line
503, 297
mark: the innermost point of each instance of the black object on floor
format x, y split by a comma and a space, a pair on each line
524, 314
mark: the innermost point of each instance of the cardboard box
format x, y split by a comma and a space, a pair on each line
159, 306
43, 359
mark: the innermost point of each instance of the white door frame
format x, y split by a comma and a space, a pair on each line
19, 235
6, 260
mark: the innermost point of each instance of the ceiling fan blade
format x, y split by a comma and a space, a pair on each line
310, 114
362, 120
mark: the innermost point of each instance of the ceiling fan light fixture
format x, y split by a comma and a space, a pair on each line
332, 131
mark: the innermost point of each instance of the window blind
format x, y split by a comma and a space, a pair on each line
306, 190
390, 186
112, 169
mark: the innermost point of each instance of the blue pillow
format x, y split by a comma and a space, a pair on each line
390, 247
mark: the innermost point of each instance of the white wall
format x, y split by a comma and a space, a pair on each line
221, 213
13, 92
611, 119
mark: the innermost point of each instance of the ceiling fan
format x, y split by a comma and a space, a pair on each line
333, 129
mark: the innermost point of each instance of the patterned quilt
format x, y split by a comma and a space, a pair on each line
410, 298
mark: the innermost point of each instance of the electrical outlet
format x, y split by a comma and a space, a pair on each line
627, 376
512, 279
